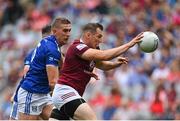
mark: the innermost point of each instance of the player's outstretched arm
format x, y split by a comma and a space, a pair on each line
105, 55
108, 65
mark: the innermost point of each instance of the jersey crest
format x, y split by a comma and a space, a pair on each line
81, 46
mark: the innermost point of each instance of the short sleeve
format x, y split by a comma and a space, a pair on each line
53, 55
80, 48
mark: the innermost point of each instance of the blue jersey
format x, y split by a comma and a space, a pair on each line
27, 61
46, 53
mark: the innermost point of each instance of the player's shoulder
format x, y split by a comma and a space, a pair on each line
49, 39
50, 42
78, 45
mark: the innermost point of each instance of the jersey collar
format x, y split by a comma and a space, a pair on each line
55, 40
81, 41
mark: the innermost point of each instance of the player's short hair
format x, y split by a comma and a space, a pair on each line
58, 21
46, 30
92, 27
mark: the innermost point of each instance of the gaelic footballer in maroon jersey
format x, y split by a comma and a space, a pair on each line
81, 57
76, 72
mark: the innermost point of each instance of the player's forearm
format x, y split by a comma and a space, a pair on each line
115, 52
106, 55
53, 74
108, 65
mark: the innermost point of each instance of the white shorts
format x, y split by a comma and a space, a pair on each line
63, 94
32, 103
14, 111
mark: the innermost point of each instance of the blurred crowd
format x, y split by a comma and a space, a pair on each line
147, 88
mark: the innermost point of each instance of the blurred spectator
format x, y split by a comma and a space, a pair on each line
6, 104
2, 80
125, 111
121, 76
115, 7
174, 74
157, 108
176, 14
12, 12
172, 95
37, 19
112, 103
8, 39
142, 108
157, 73
97, 103
177, 113
24, 35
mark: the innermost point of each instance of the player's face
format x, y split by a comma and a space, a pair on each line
63, 33
97, 38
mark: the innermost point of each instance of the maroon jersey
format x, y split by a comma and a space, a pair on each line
75, 70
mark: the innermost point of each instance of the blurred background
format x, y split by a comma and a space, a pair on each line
147, 88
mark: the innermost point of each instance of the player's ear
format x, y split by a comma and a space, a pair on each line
88, 34
53, 30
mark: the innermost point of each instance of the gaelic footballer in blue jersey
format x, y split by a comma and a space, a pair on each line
34, 100
13, 116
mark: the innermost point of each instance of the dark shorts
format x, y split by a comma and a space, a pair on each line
67, 110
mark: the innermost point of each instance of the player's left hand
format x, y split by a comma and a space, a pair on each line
122, 60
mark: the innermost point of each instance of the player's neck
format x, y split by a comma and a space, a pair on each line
82, 40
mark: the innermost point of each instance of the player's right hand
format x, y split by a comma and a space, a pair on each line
136, 39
